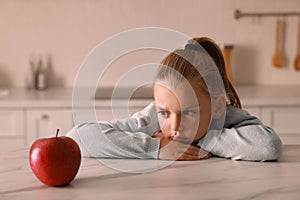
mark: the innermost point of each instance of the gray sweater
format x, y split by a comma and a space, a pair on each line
243, 137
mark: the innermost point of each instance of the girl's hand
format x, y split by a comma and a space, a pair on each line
159, 135
173, 150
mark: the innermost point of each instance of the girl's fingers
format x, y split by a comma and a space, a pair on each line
189, 149
204, 154
192, 150
188, 157
172, 150
185, 156
195, 151
209, 155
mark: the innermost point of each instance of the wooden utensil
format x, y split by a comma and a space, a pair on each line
277, 57
297, 59
227, 50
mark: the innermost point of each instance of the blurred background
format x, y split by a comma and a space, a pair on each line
63, 32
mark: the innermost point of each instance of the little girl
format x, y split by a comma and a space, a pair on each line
190, 118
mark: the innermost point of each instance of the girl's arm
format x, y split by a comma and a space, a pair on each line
120, 139
243, 138
103, 140
131, 138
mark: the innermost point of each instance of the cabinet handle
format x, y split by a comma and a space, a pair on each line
45, 116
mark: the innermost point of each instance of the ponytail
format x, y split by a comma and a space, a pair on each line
177, 61
216, 54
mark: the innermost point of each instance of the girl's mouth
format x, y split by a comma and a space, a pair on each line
180, 139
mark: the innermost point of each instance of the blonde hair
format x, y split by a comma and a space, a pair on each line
196, 62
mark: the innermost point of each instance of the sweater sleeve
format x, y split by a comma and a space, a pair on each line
243, 138
129, 138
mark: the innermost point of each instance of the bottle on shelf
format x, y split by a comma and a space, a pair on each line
30, 76
40, 76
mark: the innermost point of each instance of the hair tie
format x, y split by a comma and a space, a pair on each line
196, 47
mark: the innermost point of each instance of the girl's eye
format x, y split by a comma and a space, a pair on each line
189, 112
163, 113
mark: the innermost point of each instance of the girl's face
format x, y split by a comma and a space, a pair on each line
184, 114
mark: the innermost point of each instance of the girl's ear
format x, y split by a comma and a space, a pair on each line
219, 108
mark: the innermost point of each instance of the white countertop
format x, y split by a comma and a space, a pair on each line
269, 95
62, 97
215, 178
53, 98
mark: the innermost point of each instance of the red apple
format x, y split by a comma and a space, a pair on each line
55, 161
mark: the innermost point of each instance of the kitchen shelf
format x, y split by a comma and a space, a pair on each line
239, 14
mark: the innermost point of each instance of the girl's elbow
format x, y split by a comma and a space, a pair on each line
270, 145
272, 149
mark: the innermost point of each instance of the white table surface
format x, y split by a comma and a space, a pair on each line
215, 178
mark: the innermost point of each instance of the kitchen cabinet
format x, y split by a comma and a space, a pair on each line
285, 120
45, 122
20, 127
28, 115
103, 114
86, 115
12, 124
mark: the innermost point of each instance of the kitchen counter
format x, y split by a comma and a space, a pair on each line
62, 97
56, 98
214, 178
29, 114
256, 95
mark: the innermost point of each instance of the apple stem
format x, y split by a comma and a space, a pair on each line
57, 132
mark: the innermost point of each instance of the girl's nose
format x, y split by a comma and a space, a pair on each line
175, 123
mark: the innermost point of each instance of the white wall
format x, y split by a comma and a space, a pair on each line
67, 30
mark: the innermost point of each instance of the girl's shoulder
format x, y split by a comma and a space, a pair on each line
236, 117
232, 110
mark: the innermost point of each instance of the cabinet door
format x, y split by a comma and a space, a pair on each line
12, 127
85, 115
285, 121
102, 114
116, 114
44, 123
